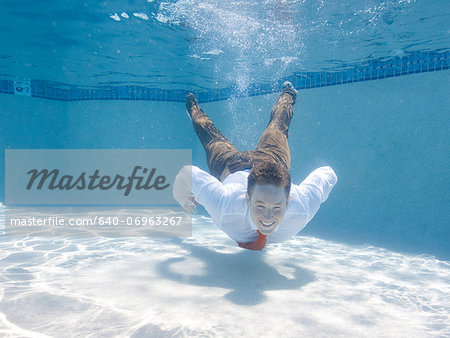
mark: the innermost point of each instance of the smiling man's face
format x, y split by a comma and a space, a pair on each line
268, 204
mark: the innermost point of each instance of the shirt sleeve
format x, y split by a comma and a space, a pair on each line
207, 190
316, 188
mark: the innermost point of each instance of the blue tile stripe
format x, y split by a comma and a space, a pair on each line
376, 69
7, 86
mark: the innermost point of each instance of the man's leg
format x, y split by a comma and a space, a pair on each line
219, 150
273, 142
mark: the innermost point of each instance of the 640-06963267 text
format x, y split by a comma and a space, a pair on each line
97, 220
82, 221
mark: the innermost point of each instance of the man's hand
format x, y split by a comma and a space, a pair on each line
182, 190
191, 205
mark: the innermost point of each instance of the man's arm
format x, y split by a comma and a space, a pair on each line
316, 188
194, 185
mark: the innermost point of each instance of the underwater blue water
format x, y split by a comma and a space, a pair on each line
196, 45
373, 103
378, 113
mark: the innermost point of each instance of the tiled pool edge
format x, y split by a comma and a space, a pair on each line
382, 68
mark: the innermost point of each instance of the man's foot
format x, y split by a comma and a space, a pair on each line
287, 87
191, 104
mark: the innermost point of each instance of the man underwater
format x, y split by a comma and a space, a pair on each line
249, 194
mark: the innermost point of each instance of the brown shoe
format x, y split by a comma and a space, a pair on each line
287, 87
191, 104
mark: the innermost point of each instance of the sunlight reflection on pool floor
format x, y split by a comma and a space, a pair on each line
206, 286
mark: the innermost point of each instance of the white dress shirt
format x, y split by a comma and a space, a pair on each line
225, 201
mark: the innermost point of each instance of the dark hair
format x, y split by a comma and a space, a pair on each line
269, 173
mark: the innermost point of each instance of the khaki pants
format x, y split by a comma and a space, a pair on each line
222, 156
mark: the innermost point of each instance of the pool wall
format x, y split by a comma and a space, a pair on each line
386, 139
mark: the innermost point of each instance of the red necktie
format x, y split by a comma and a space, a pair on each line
258, 244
